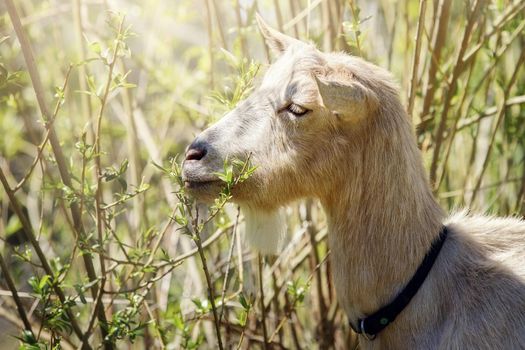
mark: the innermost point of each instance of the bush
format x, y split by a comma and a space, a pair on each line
101, 245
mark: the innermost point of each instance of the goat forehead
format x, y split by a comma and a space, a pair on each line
294, 64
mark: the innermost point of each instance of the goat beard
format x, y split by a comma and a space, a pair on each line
265, 231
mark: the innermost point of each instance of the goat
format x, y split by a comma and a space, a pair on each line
331, 126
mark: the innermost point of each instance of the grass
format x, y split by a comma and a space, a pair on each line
100, 247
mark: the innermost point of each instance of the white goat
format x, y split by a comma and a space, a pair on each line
331, 126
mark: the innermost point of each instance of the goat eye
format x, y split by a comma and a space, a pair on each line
297, 110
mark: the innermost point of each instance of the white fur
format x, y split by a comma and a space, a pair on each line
265, 231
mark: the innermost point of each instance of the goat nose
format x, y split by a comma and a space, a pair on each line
197, 151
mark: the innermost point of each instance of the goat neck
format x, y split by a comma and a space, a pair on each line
381, 213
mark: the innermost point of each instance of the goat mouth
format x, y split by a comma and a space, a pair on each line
205, 191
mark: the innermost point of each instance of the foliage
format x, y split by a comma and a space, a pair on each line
103, 245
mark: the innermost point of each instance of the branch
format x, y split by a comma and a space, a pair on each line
417, 52
57, 148
12, 288
28, 230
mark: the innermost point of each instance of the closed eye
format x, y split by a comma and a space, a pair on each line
297, 110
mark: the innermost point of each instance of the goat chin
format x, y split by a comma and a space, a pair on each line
265, 231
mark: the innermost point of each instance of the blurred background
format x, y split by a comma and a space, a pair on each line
92, 235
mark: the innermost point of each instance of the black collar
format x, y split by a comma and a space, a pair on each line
371, 325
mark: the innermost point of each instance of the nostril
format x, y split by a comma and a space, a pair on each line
195, 153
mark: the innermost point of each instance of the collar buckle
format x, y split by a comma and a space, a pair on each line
363, 331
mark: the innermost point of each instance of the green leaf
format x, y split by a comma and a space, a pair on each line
44, 281
80, 290
13, 225
181, 220
244, 303
123, 183
242, 318
3, 75
95, 47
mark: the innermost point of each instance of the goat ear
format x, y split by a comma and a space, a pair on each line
276, 41
349, 100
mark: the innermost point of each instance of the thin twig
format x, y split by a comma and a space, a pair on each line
291, 309
210, 41
499, 119
40, 148
156, 325
438, 43
230, 255
463, 191
489, 112
14, 293
57, 149
263, 309
219, 24
28, 230
417, 51
97, 150
323, 325
450, 90
300, 16
211, 293
278, 14
94, 312
452, 135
